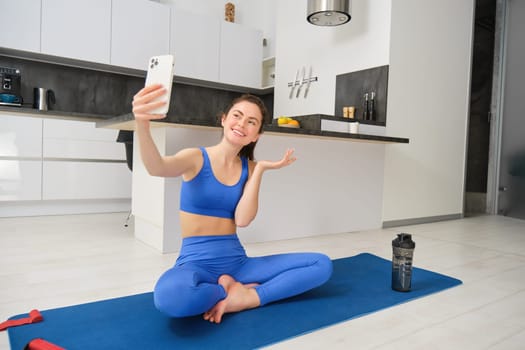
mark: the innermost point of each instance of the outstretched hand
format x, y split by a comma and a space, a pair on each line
142, 102
287, 159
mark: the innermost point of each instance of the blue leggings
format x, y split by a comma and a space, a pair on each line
190, 287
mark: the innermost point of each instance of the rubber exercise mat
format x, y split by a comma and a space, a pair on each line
359, 285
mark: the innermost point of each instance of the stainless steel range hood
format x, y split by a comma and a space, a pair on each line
328, 12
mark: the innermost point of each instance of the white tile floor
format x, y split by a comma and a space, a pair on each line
48, 262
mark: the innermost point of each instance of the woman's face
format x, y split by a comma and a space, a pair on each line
242, 123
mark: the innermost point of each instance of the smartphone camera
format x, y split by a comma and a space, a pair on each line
154, 62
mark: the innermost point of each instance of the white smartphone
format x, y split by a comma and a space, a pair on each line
160, 71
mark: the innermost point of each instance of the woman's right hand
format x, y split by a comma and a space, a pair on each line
143, 102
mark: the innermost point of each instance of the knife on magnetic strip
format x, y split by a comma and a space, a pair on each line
302, 82
293, 83
308, 84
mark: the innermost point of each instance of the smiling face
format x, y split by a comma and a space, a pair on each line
242, 124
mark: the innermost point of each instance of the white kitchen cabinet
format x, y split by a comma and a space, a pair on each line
80, 140
85, 180
20, 24
241, 55
20, 136
20, 180
83, 162
76, 29
55, 166
139, 29
20, 158
196, 55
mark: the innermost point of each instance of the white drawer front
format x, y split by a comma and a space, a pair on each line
73, 129
80, 140
83, 149
85, 180
334, 125
20, 180
20, 136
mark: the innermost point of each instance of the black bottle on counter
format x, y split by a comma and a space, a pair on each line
402, 255
371, 106
365, 108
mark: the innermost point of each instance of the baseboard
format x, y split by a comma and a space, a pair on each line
63, 207
423, 220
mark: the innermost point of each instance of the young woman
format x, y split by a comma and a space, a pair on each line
220, 190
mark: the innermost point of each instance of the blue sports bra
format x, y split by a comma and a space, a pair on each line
205, 195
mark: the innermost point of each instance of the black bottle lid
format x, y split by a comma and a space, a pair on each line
404, 240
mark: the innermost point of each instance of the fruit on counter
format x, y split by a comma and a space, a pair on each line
283, 120
287, 121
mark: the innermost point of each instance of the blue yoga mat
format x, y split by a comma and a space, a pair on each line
359, 285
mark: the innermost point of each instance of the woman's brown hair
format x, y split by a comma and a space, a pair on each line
248, 150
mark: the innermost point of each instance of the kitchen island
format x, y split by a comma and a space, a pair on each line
335, 186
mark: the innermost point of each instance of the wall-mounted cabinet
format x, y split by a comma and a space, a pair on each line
139, 29
241, 55
196, 55
14, 35
126, 33
76, 29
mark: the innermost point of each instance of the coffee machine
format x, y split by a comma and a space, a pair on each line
10, 86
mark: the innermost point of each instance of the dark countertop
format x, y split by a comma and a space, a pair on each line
24, 111
126, 122
333, 134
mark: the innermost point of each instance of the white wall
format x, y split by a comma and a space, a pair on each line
428, 47
362, 43
428, 100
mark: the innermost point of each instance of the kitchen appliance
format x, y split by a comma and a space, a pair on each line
10, 85
328, 12
43, 99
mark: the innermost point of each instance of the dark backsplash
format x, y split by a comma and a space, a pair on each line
101, 93
350, 89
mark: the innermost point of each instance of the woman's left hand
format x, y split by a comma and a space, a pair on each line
287, 159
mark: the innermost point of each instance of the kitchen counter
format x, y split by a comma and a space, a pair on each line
273, 129
31, 112
126, 122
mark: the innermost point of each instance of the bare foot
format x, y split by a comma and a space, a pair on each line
239, 297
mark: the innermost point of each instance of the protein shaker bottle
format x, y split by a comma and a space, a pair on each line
402, 254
